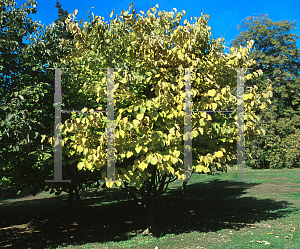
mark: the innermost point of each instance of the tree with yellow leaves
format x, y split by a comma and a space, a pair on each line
149, 98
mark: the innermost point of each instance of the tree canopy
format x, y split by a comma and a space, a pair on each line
149, 98
276, 53
27, 93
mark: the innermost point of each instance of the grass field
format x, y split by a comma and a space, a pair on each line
214, 213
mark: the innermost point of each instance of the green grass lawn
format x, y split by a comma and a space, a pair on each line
214, 213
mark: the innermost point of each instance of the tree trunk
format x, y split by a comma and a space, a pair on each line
149, 199
70, 200
151, 224
185, 183
77, 194
183, 187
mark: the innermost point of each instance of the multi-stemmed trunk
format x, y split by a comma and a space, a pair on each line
151, 223
149, 199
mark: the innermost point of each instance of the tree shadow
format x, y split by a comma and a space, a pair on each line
209, 207
6, 193
110, 216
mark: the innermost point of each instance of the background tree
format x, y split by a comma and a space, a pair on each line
149, 107
277, 56
14, 28
26, 110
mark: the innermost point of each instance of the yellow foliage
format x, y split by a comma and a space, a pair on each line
219, 154
153, 161
140, 116
148, 49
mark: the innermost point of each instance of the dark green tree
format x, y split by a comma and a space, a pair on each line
277, 56
27, 108
15, 122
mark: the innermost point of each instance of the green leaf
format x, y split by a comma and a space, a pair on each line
9, 116
154, 71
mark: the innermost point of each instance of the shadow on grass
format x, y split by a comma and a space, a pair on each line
212, 206
6, 193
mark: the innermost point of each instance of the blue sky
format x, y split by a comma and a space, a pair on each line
224, 15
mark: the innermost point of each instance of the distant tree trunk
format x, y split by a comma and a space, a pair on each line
78, 199
184, 184
183, 187
70, 200
73, 189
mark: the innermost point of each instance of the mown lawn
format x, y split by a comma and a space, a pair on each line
215, 213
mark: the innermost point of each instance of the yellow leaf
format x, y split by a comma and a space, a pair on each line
140, 116
129, 154
122, 133
118, 184
180, 55
130, 6
142, 166
138, 149
195, 133
219, 154
43, 138
166, 158
172, 131
112, 13
224, 90
212, 92
171, 170
201, 130
174, 160
176, 153
79, 149
89, 165
200, 168
85, 151
80, 165
179, 107
118, 119
135, 122
214, 106
248, 96
109, 184
50, 140
205, 160
153, 160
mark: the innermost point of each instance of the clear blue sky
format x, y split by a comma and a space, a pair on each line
224, 15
